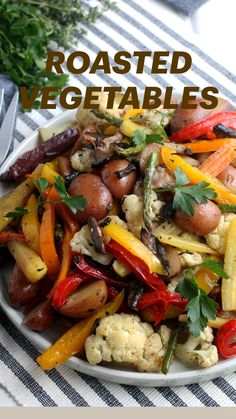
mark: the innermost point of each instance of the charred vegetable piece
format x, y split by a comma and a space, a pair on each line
135, 293
96, 235
42, 153
156, 247
222, 131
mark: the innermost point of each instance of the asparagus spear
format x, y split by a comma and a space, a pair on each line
170, 349
149, 173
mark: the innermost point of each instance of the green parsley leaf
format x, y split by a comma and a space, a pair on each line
18, 212
187, 196
180, 177
139, 138
216, 267
155, 138
75, 203
41, 184
60, 187
200, 308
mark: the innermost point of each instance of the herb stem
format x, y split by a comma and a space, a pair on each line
171, 348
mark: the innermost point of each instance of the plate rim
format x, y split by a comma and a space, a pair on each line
117, 376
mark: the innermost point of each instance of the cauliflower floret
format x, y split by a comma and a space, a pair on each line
82, 243
124, 338
217, 238
198, 350
81, 161
168, 227
191, 259
132, 206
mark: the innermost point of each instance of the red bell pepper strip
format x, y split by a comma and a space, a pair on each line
66, 287
199, 128
136, 265
159, 302
84, 266
111, 292
225, 339
7, 236
151, 298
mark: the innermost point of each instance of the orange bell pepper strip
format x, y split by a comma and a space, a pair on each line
47, 241
205, 146
72, 342
218, 161
173, 161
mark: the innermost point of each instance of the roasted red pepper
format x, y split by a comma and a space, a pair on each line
66, 287
136, 265
199, 128
84, 266
159, 302
226, 339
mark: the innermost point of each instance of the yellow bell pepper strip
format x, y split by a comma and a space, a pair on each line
206, 279
72, 342
66, 258
28, 261
30, 224
47, 241
228, 289
183, 243
206, 146
132, 112
128, 128
173, 161
218, 161
49, 173
133, 245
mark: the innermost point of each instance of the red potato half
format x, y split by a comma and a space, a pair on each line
86, 300
98, 197
205, 219
118, 187
20, 290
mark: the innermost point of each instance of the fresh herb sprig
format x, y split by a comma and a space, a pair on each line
75, 203
186, 197
215, 266
28, 27
200, 308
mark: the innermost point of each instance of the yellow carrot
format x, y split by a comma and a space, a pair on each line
183, 243
30, 224
228, 289
218, 161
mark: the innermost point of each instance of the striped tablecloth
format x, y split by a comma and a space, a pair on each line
134, 25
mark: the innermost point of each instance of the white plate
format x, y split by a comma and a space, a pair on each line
179, 374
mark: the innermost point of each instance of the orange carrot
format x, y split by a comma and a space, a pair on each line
204, 146
66, 258
218, 161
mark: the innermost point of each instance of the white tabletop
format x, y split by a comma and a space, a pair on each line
213, 24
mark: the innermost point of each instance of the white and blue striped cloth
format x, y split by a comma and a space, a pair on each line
134, 25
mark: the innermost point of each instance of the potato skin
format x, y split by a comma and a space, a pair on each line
41, 317
98, 196
86, 300
228, 178
118, 187
20, 290
205, 219
146, 153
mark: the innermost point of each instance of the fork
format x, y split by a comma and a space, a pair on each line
7, 127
